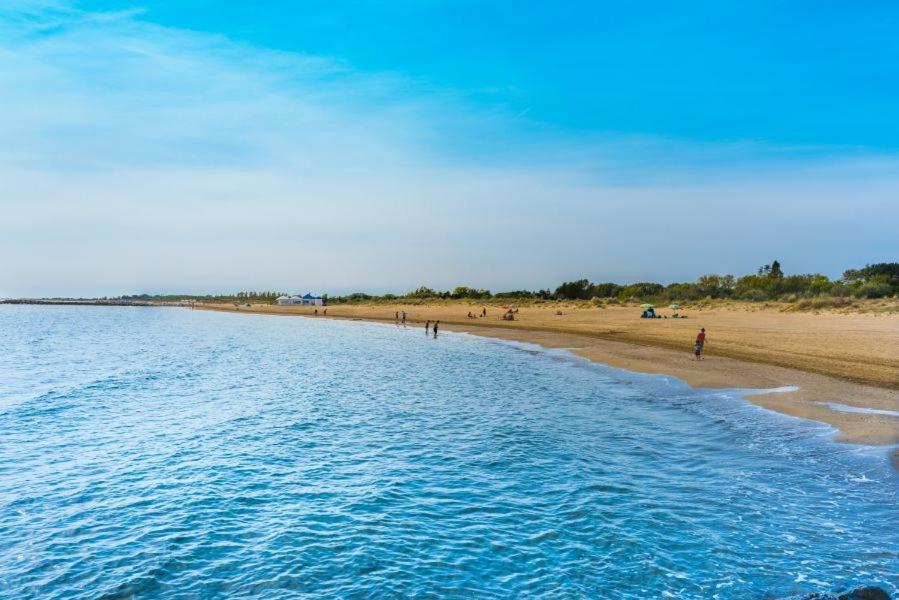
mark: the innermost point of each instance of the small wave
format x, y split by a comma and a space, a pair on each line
345, 460
845, 408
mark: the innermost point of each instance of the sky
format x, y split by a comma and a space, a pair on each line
196, 146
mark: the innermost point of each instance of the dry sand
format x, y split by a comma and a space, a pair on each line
849, 359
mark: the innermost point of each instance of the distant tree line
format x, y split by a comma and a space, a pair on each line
244, 296
769, 282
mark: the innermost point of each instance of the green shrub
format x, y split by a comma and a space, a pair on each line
463, 291
840, 290
820, 285
820, 302
874, 289
754, 295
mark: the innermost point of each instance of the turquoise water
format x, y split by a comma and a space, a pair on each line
169, 453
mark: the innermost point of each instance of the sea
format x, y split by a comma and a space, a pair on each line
162, 452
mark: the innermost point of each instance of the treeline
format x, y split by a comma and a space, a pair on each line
426, 293
245, 296
768, 283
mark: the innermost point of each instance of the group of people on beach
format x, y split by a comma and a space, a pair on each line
428, 327
400, 317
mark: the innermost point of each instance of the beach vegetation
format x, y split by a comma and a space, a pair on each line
641, 291
874, 289
824, 302
466, 292
424, 292
582, 289
886, 272
753, 295
770, 283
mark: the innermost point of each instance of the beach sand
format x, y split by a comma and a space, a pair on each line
849, 359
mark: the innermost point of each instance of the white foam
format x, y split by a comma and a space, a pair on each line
859, 409
778, 390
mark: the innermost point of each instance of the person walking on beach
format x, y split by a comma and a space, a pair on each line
436, 323
396, 317
699, 344
404, 317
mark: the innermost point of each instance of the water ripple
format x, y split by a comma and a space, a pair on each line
169, 453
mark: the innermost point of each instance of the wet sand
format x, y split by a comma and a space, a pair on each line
846, 359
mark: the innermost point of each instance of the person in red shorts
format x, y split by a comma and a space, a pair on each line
698, 344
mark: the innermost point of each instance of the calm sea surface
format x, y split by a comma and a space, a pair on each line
169, 453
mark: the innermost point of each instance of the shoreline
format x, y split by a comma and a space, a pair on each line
815, 396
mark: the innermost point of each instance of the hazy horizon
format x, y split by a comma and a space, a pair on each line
190, 147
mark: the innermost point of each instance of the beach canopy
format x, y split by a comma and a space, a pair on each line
675, 306
647, 306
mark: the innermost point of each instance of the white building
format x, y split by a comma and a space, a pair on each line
305, 300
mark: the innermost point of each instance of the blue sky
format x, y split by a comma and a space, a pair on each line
339, 146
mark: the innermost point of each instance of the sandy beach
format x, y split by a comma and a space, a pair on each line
834, 358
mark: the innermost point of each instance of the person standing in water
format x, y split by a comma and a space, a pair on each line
436, 323
404, 317
427, 326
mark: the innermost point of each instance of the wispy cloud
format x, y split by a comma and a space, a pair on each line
138, 157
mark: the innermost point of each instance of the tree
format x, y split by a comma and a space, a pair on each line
573, 290
604, 290
776, 272
423, 292
642, 290
716, 286
883, 271
464, 291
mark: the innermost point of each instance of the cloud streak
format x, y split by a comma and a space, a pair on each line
143, 158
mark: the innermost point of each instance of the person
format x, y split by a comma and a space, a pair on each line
484, 312
427, 326
470, 315
699, 344
404, 316
325, 312
436, 323
316, 312
396, 317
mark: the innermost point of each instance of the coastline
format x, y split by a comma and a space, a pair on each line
817, 396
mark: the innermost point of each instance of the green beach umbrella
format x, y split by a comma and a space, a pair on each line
647, 306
